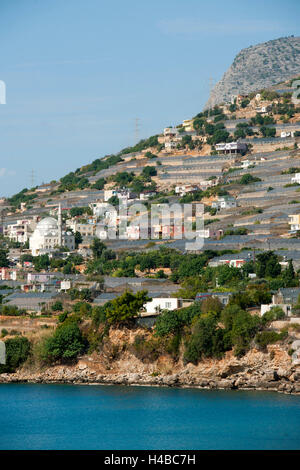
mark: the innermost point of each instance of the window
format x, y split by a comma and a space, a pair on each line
168, 305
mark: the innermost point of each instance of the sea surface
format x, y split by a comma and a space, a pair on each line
119, 417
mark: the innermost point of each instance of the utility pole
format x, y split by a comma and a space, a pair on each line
32, 178
137, 130
2, 221
211, 84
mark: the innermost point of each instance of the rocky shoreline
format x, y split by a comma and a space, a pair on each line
281, 380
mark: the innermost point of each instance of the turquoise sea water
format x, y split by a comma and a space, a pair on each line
116, 417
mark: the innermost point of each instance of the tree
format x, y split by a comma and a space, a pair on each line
4, 262
126, 307
99, 184
247, 179
17, 351
57, 306
123, 178
289, 273
26, 258
41, 262
211, 304
218, 136
149, 171
65, 344
268, 131
207, 340
147, 263
78, 239
97, 248
114, 201
77, 211
267, 265
240, 328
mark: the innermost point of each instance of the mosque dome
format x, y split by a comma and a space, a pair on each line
47, 225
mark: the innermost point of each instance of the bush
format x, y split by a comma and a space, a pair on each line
126, 307
206, 340
57, 306
275, 313
248, 179
65, 344
269, 337
17, 351
173, 321
11, 310
62, 317
146, 350
241, 328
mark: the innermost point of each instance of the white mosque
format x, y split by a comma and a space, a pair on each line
49, 235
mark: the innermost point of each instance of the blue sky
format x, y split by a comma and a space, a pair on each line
78, 72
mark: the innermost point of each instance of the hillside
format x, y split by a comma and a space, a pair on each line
203, 323
258, 67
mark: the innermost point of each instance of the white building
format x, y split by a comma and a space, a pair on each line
188, 188
85, 230
20, 231
294, 222
224, 202
296, 178
246, 164
285, 134
122, 194
65, 285
264, 109
171, 145
287, 308
48, 235
231, 147
108, 193
170, 132
187, 124
158, 304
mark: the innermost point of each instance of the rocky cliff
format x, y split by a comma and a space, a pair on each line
258, 67
116, 363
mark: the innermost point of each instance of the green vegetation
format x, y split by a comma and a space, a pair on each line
99, 184
269, 337
4, 262
22, 196
268, 131
78, 211
126, 307
65, 344
17, 351
141, 145
71, 182
248, 179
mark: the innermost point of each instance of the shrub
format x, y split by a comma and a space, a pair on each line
57, 306
126, 307
269, 337
206, 340
248, 179
146, 350
17, 351
62, 317
275, 313
65, 344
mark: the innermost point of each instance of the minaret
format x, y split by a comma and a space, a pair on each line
59, 226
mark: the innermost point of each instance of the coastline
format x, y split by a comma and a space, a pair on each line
64, 375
